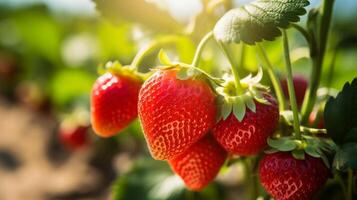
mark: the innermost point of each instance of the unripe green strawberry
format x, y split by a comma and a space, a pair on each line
287, 178
175, 113
114, 102
199, 164
249, 136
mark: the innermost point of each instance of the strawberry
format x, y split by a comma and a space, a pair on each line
300, 85
287, 178
74, 137
316, 115
199, 164
248, 137
175, 113
114, 102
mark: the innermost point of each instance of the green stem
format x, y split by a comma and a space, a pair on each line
308, 37
218, 81
251, 177
152, 47
273, 77
234, 67
291, 89
350, 185
331, 68
310, 97
302, 31
201, 45
241, 58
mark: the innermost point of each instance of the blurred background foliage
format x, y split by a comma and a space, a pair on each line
50, 51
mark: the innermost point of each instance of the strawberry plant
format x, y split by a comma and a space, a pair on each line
203, 121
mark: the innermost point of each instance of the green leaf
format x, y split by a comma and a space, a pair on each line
226, 110
261, 19
182, 74
298, 154
351, 136
249, 102
325, 160
148, 180
282, 144
270, 151
312, 151
340, 114
239, 109
346, 157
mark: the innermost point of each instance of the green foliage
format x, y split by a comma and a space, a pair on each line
146, 180
229, 102
283, 144
261, 19
340, 114
341, 124
69, 84
346, 157
139, 11
152, 180
313, 146
37, 31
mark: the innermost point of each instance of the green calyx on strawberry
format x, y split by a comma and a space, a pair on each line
175, 113
230, 101
114, 99
246, 120
316, 147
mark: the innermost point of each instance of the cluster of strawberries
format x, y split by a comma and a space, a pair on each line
179, 121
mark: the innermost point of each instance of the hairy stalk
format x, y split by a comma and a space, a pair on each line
201, 45
310, 97
291, 89
152, 47
234, 67
273, 77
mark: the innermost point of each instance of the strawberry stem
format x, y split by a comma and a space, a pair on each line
273, 77
310, 97
201, 45
234, 67
291, 89
151, 48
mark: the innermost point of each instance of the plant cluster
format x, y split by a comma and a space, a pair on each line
198, 122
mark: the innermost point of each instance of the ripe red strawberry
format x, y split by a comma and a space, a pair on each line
312, 118
287, 178
300, 85
114, 103
249, 136
74, 137
175, 113
199, 164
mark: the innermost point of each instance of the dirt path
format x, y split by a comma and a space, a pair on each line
27, 169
